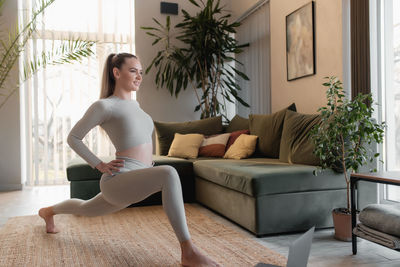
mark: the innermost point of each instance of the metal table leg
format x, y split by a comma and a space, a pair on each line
353, 184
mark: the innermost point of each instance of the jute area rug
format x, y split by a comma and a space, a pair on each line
139, 236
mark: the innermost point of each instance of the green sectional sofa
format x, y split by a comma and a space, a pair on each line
264, 195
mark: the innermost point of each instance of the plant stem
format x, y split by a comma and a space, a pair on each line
203, 87
195, 89
345, 173
348, 194
205, 82
357, 146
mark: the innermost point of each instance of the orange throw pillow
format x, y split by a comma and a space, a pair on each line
214, 145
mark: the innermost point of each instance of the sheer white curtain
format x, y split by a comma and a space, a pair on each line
256, 62
391, 89
57, 97
385, 84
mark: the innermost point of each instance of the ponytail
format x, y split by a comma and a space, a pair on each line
108, 79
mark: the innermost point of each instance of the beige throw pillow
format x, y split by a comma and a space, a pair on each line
185, 145
243, 147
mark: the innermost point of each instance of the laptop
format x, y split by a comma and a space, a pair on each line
299, 251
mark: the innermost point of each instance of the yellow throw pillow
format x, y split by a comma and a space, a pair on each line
185, 145
243, 147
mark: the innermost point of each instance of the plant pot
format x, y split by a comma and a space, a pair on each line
342, 224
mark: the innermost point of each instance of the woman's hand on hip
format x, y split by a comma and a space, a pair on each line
111, 166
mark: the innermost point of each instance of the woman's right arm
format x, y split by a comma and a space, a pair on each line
96, 114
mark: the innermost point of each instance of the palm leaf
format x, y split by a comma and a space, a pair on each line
15, 42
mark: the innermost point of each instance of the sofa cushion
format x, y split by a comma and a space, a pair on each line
234, 135
268, 128
257, 177
237, 123
185, 145
214, 145
166, 130
296, 145
243, 147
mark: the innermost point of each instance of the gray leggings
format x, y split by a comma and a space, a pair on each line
134, 182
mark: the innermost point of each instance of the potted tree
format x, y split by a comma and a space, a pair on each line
201, 60
342, 139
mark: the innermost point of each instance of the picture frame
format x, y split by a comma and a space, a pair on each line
300, 42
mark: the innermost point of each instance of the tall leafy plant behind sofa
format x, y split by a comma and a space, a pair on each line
201, 61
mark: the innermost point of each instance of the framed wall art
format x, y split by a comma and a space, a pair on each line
300, 42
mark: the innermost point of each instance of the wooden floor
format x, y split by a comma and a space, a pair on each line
325, 250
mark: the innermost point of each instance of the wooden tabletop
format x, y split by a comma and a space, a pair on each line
391, 176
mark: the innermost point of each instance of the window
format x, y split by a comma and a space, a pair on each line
387, 43
392, 86
57, 97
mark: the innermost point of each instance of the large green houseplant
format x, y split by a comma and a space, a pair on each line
13, 43
207, 46
342, 140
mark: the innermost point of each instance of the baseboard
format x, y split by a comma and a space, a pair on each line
10, 187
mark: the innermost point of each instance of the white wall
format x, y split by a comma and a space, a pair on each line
239, 7
308, 92
10, 145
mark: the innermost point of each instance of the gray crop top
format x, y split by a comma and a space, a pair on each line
124, 121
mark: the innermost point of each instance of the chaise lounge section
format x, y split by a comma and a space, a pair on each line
266, 196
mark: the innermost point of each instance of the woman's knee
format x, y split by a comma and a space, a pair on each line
170, 174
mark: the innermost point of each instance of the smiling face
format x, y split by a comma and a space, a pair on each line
129, 76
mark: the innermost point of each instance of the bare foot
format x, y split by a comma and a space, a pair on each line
47, 214
191, 256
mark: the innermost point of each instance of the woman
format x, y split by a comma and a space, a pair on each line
131, 177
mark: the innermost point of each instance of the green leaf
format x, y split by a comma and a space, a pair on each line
194, 3
150, 28
152, 34
158, 23
156, 41
241, 74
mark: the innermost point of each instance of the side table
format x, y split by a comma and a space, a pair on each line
392, 178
